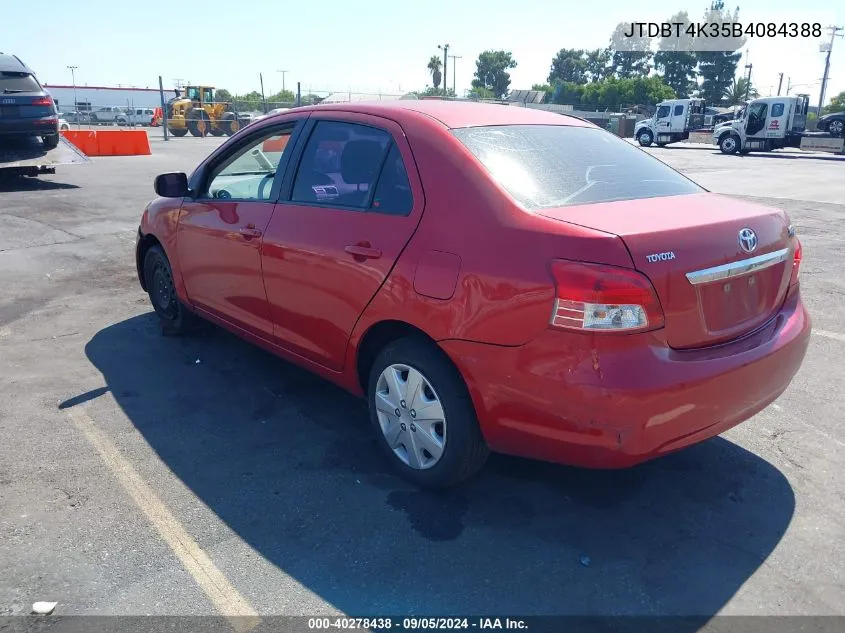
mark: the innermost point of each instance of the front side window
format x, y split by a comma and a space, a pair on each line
340, 164
544, 166
193, 93
248, 173
679, 110
662, 112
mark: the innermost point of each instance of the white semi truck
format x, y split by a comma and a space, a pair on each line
773, 123
672, 122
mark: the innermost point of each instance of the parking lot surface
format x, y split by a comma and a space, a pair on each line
148, 475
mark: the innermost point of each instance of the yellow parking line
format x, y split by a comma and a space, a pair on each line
226, 599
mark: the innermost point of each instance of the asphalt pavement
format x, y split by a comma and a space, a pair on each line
148, 475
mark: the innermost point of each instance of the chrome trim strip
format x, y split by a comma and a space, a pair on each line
735, 269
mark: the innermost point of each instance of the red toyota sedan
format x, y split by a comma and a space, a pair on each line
487, 277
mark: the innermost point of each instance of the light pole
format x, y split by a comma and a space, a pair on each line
284, 72
445, 49
748, 80
828, 48
454, 73
73, 79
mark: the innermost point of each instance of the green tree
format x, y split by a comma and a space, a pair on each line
568, 93
480, 92
614, 94
491, 72
431, 91
675, 60
837, 104
735, 94
597, 64
223, 95
283, 96
717, 68
631, 55
569, 65
434, 68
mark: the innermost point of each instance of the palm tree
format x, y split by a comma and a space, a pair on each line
434, 66
735, 93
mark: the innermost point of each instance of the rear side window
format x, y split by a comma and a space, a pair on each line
18, 82
545, 166
393, 191
340, 164
679, 110
777, 110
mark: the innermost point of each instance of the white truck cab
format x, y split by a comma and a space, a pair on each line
772, 123
672, 122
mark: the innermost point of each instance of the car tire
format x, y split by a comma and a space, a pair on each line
216, 131
174, 316
729, 144
50, 141
229, 123
645, 138
836, 127
178, 131
442, 390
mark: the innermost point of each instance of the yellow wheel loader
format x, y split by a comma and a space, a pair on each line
198, 113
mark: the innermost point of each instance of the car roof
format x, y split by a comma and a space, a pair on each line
11, 63
455, 114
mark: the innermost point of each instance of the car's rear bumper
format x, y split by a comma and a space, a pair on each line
608, 401
29, 127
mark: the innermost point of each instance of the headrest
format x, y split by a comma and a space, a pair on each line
359, 161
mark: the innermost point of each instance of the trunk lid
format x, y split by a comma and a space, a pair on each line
689, 246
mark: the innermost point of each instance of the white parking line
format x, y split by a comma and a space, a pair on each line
834, 335
226, 599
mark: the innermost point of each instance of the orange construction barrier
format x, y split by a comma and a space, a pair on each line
110, 142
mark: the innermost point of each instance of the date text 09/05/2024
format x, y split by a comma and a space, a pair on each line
416, 624
723, 29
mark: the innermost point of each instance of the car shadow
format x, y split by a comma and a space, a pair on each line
24, 183
289, 463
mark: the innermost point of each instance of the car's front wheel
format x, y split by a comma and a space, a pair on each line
835, 127
158, 278
645, 138
422, 413
729, 144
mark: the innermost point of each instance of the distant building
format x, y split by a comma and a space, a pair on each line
355, 97
92, 97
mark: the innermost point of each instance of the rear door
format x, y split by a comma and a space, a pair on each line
348, 211
679, 118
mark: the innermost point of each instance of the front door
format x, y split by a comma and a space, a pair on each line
220, 231
343, 220
663, 119
755, 124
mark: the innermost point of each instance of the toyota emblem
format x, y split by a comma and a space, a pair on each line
748, 240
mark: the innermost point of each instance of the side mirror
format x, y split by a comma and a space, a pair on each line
172, 185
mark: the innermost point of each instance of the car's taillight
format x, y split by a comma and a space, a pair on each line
796, 263
43, 101
594, 297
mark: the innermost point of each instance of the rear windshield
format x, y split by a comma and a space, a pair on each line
18, 82
545, 166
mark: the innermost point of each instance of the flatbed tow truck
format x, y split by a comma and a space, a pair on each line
774, 123
28, 157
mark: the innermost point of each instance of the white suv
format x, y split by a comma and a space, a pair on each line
107, 114
135, 116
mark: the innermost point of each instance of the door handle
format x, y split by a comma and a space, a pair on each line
362, 251
249, 232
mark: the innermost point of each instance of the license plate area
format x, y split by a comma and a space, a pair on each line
738, 301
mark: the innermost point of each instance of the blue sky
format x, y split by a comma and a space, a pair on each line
368, 45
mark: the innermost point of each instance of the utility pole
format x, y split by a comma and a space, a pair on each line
748, 66
454, 74
73, 79
283, 78
263, 100
445, 48
827, 48
780, 83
